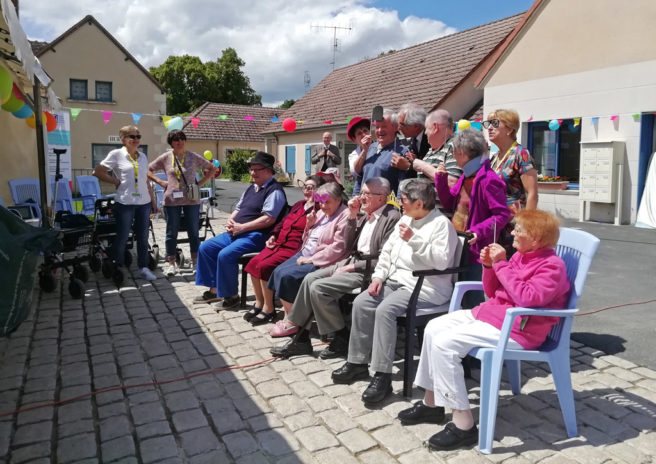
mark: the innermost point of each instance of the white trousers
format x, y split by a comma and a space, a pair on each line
447, 339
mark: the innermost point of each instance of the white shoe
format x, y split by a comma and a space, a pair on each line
146, 274
170, 270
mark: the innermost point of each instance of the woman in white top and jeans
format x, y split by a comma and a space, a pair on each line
134, 197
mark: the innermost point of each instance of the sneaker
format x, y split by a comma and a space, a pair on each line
419, 413
452, 437
207, 297
292, 348
146, 274
170, 270
230, 302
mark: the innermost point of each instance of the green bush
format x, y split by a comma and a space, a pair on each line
246, 178
236, 164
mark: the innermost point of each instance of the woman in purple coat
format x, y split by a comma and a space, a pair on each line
477, 200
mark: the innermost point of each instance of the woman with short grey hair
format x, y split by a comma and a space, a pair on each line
422, 239
471, 142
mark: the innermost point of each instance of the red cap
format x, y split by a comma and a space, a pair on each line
351, 126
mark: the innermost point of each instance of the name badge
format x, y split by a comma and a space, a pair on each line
178, 194
136, 194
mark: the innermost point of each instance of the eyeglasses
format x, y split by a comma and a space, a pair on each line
492, 122
321, 198
309, 187
370, 194
251, 168
133, 136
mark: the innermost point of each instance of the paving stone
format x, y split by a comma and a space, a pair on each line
213, 457
264, 422
420, 456
35, 415
332, 455
112, 409
179, 401
152, 429
117, 448
278, 442
287, 405
396, 439
252, 406
148, 412
188, 420
114, 427
240, 443
199, 441
76, 447
227, 421
316, 438
31, 452
75, 428
32, 433
159, 448
356, 440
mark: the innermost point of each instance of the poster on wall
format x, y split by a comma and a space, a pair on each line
60, 139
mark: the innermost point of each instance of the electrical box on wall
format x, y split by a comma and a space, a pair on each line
601, 172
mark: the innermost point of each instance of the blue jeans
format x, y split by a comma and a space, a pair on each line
125, 216
218, 260
173, 215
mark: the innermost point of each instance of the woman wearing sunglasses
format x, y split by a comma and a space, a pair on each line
286, 239
324, 243
513, 163
134, 196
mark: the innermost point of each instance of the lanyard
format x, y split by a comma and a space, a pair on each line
499, 162
177, 169
135, 167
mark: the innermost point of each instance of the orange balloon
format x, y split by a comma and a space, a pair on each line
51, 122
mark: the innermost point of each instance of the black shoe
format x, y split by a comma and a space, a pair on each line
228, 303
452, 437
378, 389
350, 372
338, 348
251, 313
206, 297
292, 348
419, 413
262, 318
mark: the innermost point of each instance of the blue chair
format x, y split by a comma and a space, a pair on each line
26, 192
65, 198
89, 186
576, 248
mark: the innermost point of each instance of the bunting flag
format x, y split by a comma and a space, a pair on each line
194, 122
478, 120
274, 119
136, 117
577, 121
349, 120
614, 117
166, 120
222, 116
594, 120
75, 112
530, 119
107, 116
635, 115
249, 118
328, 122
299, 122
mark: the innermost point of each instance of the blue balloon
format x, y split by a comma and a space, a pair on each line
175, 123
216, 163
554, 125
24, 113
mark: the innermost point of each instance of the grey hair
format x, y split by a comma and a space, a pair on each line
391, 115
471, 142
331, 188
414, 114
420, 189
441, 117
379, 184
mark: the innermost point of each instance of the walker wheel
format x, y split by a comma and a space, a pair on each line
47, 281
76, 288
80, 272
95, 263
118, 277
107, 268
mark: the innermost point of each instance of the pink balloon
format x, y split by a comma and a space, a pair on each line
289, 125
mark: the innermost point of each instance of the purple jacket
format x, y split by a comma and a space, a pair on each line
487, 205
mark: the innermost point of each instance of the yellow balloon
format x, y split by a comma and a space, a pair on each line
13, 103
6, 85
208, 155
463, 124
31, 120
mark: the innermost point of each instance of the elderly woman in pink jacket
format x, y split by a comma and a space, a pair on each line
534, 277
323, 244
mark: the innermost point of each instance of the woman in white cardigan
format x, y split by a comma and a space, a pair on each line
422, 239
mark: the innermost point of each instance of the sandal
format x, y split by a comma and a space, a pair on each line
282, 330
262, 318
251, 313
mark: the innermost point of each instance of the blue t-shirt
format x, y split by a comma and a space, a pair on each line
379, 164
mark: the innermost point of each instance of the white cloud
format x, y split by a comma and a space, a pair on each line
275, 38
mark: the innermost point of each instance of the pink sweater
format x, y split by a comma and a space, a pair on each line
537, 279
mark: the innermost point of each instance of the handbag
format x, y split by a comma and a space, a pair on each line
191, 191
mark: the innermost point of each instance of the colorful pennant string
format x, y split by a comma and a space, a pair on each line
107, 116
75, 112
136, 117
194, 122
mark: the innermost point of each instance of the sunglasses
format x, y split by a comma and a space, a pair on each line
492, 122
133, 137
321, 198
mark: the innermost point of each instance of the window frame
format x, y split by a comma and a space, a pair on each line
111, 91
545, 125
86, 89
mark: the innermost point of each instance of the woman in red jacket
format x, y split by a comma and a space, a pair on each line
285, 241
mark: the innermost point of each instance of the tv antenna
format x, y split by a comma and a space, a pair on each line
335, 41
306, 80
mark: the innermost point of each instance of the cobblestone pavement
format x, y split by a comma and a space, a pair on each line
285, 411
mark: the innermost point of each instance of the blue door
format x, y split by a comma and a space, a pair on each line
308, 160
290, 159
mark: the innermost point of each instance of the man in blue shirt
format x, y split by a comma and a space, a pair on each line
247, 230
379, 160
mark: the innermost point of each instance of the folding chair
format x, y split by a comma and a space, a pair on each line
26, 192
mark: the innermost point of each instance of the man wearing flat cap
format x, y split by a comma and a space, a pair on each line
256, 213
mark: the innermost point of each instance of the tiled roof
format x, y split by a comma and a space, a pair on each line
37, 46
235, 127
424, 74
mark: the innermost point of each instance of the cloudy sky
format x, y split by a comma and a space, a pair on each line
278, 39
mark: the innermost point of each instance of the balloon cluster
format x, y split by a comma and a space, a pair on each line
13, 101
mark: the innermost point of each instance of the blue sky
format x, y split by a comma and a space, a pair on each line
461, 14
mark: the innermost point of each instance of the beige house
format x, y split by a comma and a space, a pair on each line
435, 74
224, 127
592, 65
92, 71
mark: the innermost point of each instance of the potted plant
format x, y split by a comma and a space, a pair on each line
552, 183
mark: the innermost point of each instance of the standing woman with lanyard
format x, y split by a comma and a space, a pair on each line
134, 196
180, 167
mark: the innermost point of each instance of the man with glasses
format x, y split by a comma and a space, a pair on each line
439, 130
411, 124
370, 222
256, 213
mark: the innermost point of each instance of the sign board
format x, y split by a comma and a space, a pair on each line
114, 139
60, 139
